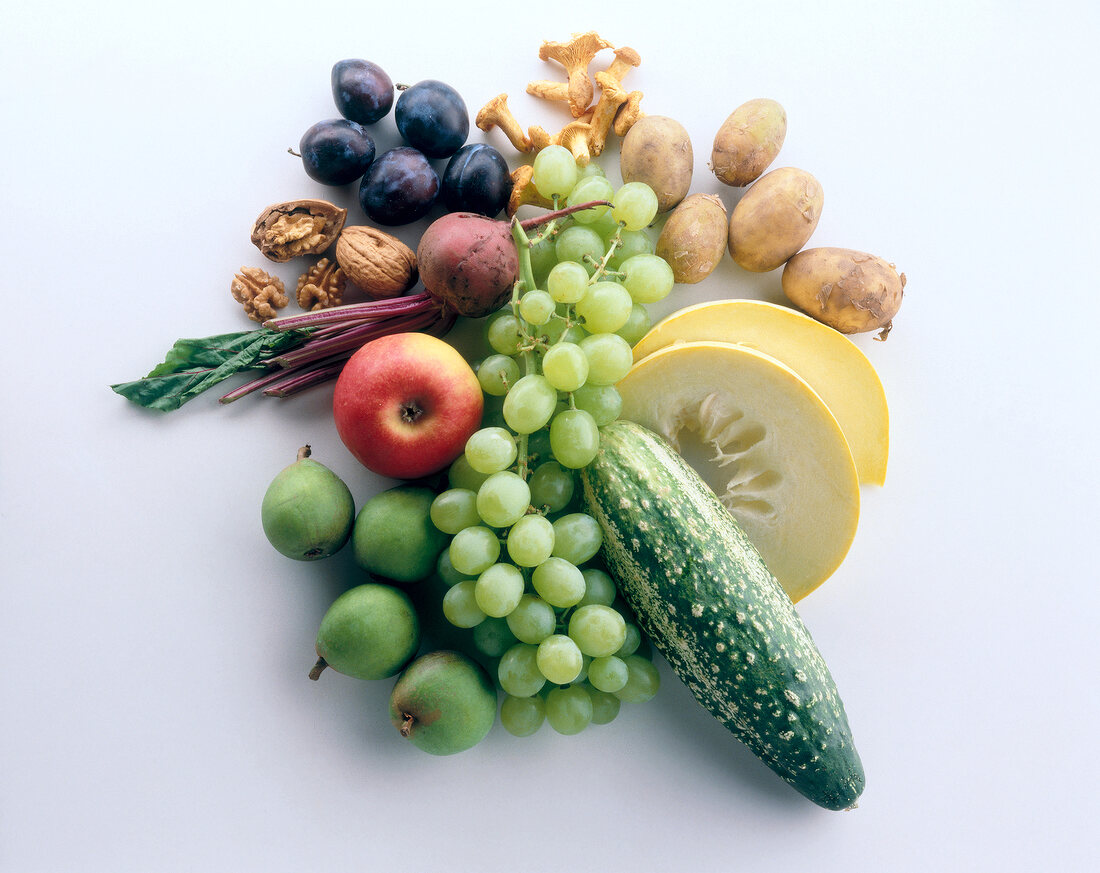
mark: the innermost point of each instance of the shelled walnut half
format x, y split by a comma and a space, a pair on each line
297, 227
261, 293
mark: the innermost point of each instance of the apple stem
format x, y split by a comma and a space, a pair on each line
318, 668
407, 724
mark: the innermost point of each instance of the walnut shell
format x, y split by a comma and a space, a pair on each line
297, 227
376, 262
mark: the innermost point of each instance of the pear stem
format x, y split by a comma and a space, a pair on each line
304, 452
407, 724
318, 668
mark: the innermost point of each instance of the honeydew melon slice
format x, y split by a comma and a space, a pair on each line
828, 361
764, 441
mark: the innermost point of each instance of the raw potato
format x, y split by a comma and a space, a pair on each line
748, 141
657, 150
693, 239
848, 290
775, 219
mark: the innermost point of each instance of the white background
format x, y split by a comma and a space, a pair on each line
156, 714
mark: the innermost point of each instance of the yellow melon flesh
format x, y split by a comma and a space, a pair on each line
764, 441
827, 360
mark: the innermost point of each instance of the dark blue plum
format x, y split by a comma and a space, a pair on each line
336, 151
433, 118
477, 180
399, 187
362, 90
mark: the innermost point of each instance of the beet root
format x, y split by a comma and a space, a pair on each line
468, 262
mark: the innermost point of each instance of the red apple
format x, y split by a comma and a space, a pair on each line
405, 405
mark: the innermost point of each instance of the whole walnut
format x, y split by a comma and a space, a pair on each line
376, 262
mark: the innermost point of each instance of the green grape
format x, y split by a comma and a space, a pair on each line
577, 538
490, 450
530, 541
603, 402
579, 244
565, 366
591, 169
493, 638
574, 438
496, 373
605, 706
543, 258
647, 277
599, 588
631, 243
637, 326
555, 171
608, 673
536, 307
586, 660
567, 282
446, 570
631, 641
634, 205
569, 710
522, 716
559, 659
474, 550
605, 308
606, 226
505, 334
503, 498
533, 619
461, 475
551, 487
597, 630
609, 357
558, 581
454, 509
460, 605
499, 589
587, 189
518, 672
530, 403
642, 682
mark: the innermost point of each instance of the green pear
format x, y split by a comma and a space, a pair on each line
307, 511
370, 632
444, 703
394, 536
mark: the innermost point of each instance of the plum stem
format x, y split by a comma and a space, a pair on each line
407, 724
318, 668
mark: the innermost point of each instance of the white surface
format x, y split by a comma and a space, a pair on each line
156, 710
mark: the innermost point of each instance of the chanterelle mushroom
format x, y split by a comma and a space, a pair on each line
575, 56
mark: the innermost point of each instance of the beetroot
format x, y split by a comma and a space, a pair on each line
468, 262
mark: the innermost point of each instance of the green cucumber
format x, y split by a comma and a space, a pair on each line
704, 596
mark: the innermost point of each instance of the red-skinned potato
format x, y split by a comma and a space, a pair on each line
468, 262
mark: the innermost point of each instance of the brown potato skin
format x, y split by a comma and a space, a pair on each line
775, 219
748, 141
846, 289
657, 150
693, 239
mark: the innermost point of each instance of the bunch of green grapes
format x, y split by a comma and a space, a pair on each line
522, 564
